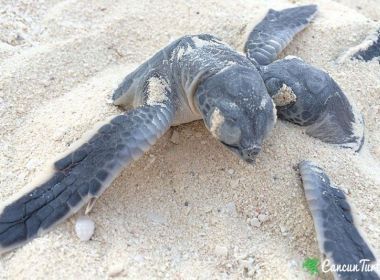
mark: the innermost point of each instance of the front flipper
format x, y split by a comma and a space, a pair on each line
370, 48
83, 174
275, 32
308, 96
337, 235
367, 50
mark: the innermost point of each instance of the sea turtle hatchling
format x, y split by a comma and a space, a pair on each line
304, 94
195, 77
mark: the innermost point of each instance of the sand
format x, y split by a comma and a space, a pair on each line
190, 209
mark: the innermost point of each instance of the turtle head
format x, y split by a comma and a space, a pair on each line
310, 97
298, 89
237, 110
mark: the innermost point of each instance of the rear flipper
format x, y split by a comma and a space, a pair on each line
83, 174
275, 32
338, 238
308, 96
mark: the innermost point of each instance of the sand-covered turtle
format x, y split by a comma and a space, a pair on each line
195, 77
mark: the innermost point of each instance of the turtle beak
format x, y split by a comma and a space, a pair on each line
250, 154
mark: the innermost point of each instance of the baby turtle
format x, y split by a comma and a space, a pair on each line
195, 77
304, 94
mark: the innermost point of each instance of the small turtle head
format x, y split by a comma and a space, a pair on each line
237, 110
316, 101
307, 89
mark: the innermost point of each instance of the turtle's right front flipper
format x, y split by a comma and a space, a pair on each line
337, 235
83, 174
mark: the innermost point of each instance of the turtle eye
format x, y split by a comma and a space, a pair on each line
229, 132
223, 128
316, 81
273, 85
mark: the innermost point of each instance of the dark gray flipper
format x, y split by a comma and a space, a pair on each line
83, 174
370, 48
308, 96
337, 235
276, 31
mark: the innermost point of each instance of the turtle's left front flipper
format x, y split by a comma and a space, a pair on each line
337, 235
308, 96
84, 174
367, 50
275, 32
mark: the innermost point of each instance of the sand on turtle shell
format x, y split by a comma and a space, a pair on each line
189, 210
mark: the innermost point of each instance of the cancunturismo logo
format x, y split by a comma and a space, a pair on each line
312, 266
364, 265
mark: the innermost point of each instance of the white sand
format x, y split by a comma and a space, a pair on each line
60, 61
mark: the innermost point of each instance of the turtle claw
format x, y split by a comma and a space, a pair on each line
315, 101
90, 205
